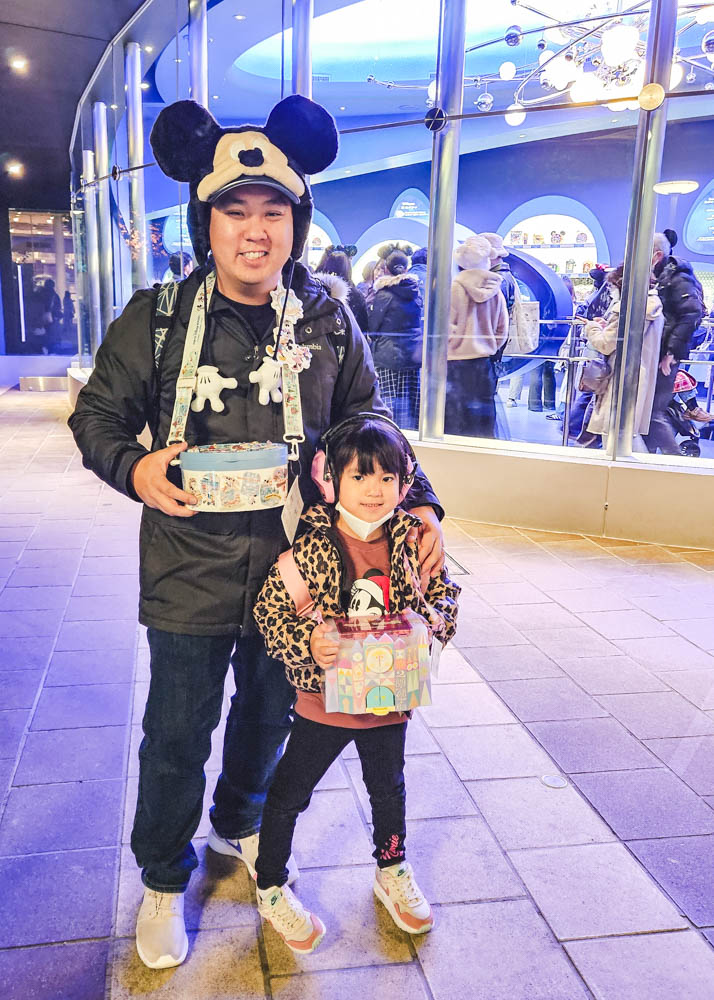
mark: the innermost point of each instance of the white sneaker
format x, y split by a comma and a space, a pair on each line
160, 930
511, 402
396, 887
301, 930
246, 849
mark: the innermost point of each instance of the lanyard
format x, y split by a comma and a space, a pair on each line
291, 357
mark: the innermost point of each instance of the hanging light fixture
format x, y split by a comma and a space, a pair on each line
515, 115
619, 43
676, 76
507, 70
708, 46
705, 15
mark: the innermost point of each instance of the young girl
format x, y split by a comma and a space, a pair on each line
356, 560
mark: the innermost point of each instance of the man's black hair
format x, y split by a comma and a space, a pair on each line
373, 442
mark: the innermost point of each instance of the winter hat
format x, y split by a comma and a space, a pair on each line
475, 252
497, 247
299, 138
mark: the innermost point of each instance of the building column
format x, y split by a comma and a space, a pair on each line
302, 15
92, 287
442, 216
60, 268
198, 51
135, 137
649, 145
104, 217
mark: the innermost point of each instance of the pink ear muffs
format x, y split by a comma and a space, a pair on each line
325, 484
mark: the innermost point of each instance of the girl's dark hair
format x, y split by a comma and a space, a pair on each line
615, 276
374, 442
397, 262
336, 262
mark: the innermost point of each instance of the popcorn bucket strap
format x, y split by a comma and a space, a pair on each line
186, 381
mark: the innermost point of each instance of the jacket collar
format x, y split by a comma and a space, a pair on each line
390, 280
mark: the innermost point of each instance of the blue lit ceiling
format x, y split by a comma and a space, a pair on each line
394, 41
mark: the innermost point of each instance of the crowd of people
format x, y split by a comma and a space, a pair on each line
49, 320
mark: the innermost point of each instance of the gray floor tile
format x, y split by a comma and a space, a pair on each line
667, 652
49, 559
56, 897
12, 726
91, 666
28, 624
696, 686
465, 705
487, 632
625, 624
43, 576
34, 598
523, 812
595, 890
220, 964
72, 755
105, 586
480, 752
657, 714
100, 608
332, 828
499, 594
99, 635
83, 705
691, 757
346, 984
454, 668
569, 642
684, 867
547, 699
489, 951
458, 861
102, 565
700, 631
646, 967
55, 972
646, 803
63, 817
508, 663
591, 599
611, 675
591, 745
534, 616
19, 688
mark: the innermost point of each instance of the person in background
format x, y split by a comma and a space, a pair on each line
366, 286
335, 264
395, 326
683, 306
601, 335
598, 301
418, 269
51, 314
181, 265
478, 331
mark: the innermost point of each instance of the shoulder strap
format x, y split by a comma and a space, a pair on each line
294, 583
162, 319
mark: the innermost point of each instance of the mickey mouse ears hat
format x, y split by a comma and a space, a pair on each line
299, 138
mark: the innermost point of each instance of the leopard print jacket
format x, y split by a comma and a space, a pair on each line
287, 636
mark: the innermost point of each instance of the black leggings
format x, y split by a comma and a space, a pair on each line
311, 750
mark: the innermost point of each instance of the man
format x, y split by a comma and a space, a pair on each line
250, 208
683, 306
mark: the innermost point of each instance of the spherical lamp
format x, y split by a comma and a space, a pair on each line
513, 36
507, 70
619, 43
708, 45
515, 115
484, 101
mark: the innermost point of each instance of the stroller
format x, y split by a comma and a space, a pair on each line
678, 416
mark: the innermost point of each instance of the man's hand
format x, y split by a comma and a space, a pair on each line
323, 650
148, 477
431, 543
665, 365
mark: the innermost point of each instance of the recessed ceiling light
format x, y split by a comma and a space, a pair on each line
145, 85
522, 135
177, 60
15, 168
239, 17
114, 106
148, 48
50, 220
348, 171
19, 64
342, 107
614, 120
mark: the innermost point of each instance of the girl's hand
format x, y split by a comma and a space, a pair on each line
324, 651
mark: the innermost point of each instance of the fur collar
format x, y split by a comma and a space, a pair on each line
390, 280
337, 287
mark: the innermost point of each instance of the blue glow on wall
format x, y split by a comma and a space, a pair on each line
699, 227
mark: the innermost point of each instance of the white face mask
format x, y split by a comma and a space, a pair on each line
363, 529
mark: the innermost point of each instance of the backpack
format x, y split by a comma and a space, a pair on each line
524, 328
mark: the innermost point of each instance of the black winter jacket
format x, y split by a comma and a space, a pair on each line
200, 575
682, 303
395, 322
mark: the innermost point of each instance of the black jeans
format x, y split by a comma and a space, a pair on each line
471, 389
182, 710
661, 433
311, 749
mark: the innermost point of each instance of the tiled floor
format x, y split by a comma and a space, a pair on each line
584, 660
